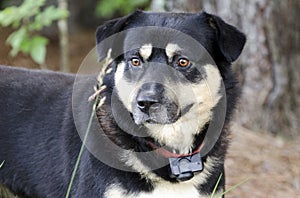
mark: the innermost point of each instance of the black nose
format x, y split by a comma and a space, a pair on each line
149, 95
145, 104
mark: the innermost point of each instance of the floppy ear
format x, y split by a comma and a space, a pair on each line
229, 39
110, 28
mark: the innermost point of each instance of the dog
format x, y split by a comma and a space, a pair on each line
164, 90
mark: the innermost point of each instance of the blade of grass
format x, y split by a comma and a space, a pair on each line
235, 186
216, 186
228, 190
82, 147
2, 164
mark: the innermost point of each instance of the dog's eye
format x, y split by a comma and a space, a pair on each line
136, 62
183, 62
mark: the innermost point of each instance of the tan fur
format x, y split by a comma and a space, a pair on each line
125, 89
171, 50
146, 51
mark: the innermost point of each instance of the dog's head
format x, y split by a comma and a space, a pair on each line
167, 71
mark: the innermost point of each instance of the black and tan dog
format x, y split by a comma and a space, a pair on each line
169, 73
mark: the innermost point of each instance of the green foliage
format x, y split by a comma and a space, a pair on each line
106, 8
28, 19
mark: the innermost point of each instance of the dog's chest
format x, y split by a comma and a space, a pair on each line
161, 190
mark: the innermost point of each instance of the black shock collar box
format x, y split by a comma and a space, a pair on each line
183, 168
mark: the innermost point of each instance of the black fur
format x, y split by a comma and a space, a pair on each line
38, 137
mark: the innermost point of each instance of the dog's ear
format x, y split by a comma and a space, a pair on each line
229, 39
110, 28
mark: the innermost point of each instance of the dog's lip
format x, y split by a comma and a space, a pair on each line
168, 152
186, 109
154, 145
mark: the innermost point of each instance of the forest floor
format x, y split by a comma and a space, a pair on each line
271, 164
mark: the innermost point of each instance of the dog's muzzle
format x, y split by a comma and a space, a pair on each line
152, 105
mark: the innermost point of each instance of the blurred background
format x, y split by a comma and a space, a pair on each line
58, 34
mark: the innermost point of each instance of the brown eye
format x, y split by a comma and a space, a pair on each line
135, 62
183, 62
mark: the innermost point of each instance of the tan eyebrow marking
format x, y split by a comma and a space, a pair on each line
171, 50
146, 51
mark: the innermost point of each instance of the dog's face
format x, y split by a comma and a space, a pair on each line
168, 92
167, 71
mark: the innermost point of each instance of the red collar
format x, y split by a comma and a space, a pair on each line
168, 154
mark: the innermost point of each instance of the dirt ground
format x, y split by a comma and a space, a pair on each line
271, 164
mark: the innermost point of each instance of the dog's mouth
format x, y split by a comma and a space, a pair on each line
161, 116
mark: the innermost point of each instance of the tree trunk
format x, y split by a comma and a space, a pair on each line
268, 67
63, 38
176, 5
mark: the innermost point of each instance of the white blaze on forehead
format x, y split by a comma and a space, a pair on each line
172, 49
146, 51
